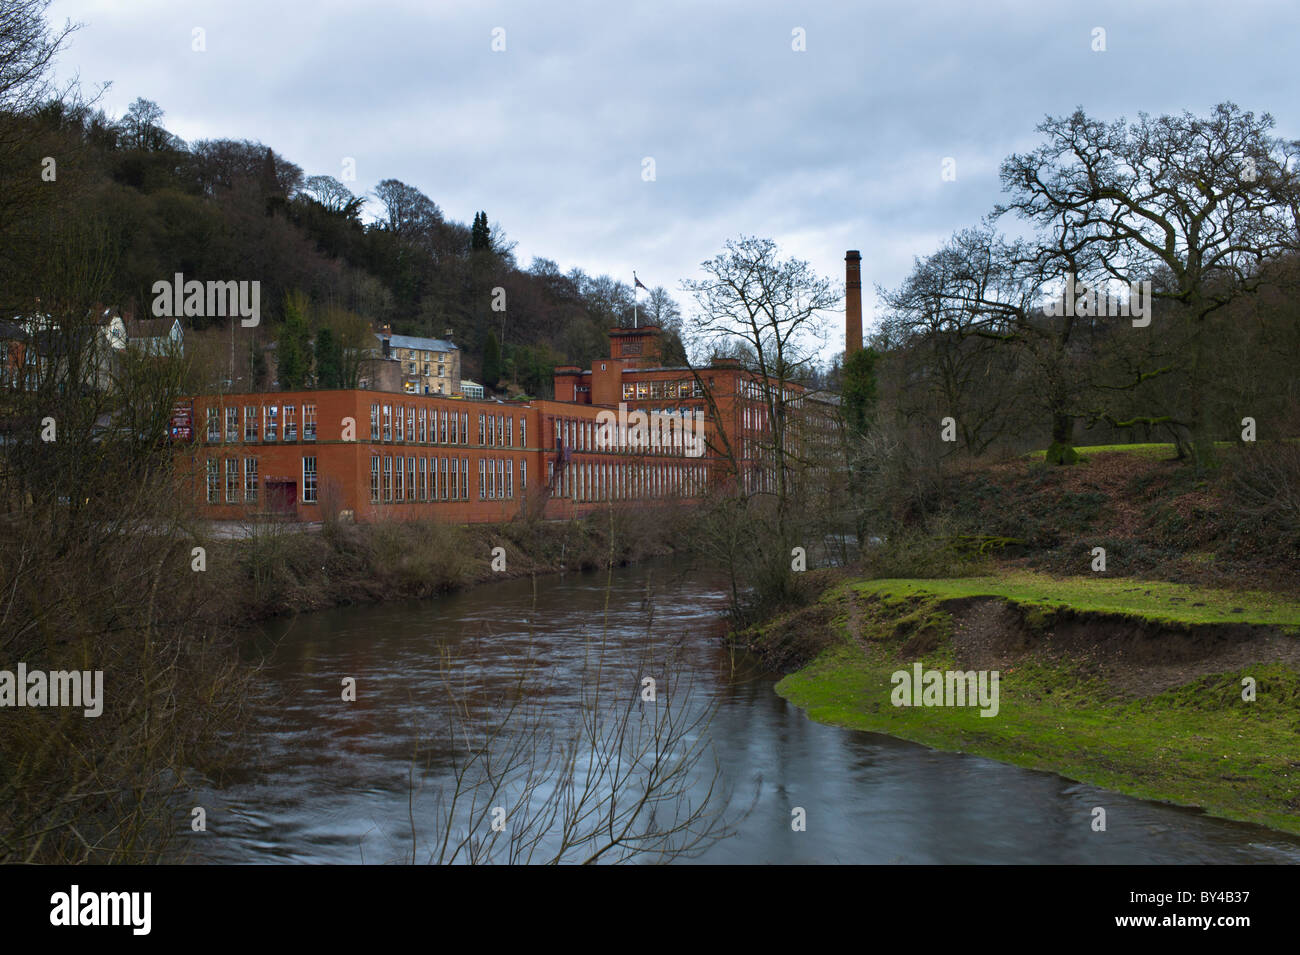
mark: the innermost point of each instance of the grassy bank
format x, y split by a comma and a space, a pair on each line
1129, 685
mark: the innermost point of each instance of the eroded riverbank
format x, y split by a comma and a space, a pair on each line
1154, 690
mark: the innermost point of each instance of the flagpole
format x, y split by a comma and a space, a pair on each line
634, 287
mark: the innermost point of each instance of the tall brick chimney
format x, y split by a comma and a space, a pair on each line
852, 302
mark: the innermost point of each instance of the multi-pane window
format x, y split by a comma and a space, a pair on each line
374, 479
464, 437
455, 424
410, 424
443, 438
501, 421
250, 422
523, 476
629, 391
410, 478
550, 476
374, 422
482, 479
232, 480
290, 423
401, 480
642, 389
250, 480
232, 425
510, 432
388, 422
424, 479
309, 422
214, 481
214, 425
270, 421
523, 432
444, 481
401, 422
510, 479
424, 426
388, 477
482, 438
309, 480
464, 476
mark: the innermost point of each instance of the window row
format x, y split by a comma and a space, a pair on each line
241, 483
496, 478
683, 388
659, 432
616, 481
397, 479
433, 426
260, 422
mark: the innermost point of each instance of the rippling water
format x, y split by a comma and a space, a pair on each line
348, 782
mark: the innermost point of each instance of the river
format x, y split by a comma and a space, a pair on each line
349, 782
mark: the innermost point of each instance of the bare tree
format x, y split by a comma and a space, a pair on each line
333, 195
96, 574
142, 126
952, 319
408, 212
28, 46
776, 308
1207, 199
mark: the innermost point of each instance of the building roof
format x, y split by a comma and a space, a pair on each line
150, 327
421, 344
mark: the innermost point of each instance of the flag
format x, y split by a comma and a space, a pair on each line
639, 283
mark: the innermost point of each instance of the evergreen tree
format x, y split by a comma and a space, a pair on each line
270, 184
293, 357
329, 360
858, 387
480, 236
256, 365
491, 361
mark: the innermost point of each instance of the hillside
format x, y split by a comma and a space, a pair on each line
135, 204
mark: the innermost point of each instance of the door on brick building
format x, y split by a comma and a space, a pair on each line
281, 495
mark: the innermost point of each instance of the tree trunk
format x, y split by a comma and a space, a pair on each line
1062, 447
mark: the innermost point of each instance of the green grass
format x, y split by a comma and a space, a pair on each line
1200, 744
1156, 601
1159, 451
1142, 450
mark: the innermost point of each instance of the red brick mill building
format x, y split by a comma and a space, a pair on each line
378, 455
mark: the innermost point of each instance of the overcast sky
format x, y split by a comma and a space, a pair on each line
839, 146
